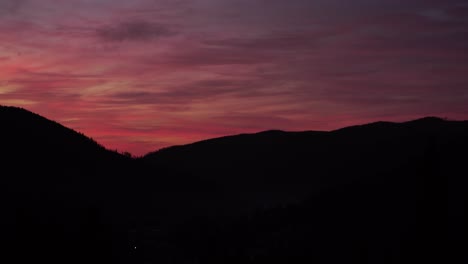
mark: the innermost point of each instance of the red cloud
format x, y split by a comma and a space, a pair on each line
229, 69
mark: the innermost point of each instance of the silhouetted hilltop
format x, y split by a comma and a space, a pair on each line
57, 156
55, 183
375, 193
26, 133
270, 160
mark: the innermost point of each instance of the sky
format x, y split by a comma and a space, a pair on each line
145, 74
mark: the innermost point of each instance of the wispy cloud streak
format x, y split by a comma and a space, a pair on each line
140, 75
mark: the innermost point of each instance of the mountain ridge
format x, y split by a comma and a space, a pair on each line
427, 120
430, 120
375, 188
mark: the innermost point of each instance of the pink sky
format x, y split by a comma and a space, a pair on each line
140, 75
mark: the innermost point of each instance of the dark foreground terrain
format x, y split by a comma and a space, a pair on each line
376, 193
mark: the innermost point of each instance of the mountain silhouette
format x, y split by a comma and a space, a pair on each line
56, 183
376, 193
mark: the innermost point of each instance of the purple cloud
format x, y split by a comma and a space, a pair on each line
134, 31
149, 73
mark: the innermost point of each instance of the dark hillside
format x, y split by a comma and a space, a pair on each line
60, 191
376, 193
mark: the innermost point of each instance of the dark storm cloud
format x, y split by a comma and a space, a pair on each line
138, 30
